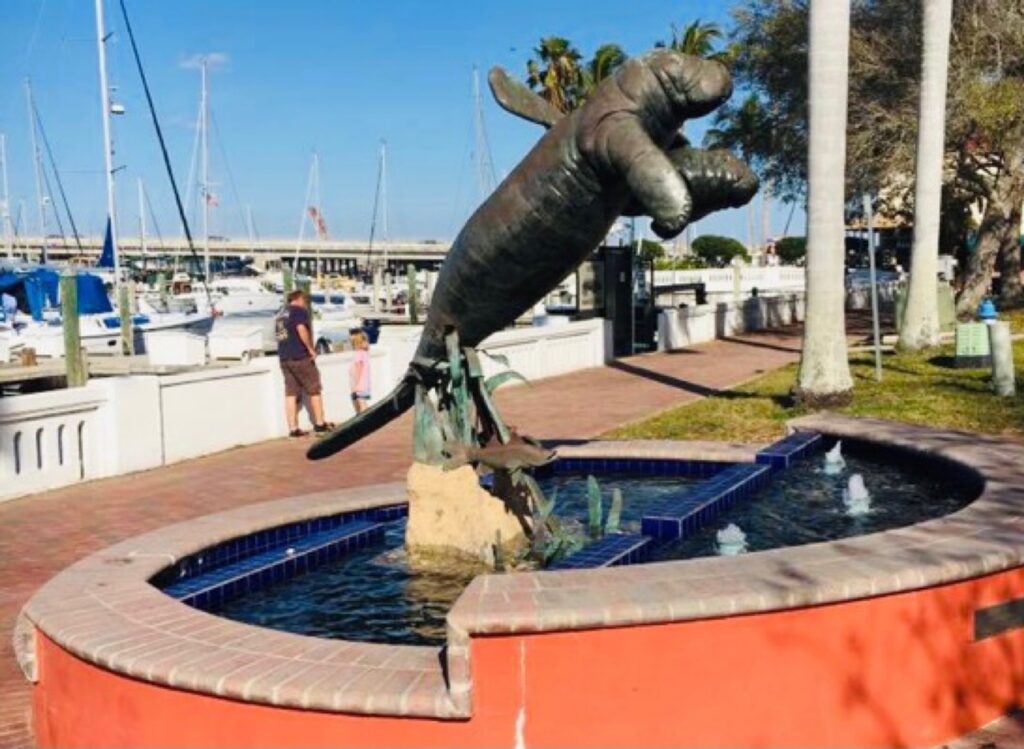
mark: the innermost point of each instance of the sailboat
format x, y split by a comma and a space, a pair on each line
36, 289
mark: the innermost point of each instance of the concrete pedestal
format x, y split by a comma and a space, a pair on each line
452, 517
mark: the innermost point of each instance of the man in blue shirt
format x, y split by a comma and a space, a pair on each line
298, 364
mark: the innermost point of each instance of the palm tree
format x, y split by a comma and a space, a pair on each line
556, 73
742, 128
607, 59
920, 328
697, 39
824, 377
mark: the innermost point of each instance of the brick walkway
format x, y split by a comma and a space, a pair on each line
42, 534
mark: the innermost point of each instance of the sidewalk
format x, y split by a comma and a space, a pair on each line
42, 534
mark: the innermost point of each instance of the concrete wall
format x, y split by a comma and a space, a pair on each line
124, 424
689, 326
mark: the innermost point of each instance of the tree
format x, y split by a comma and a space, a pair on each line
984, 142
555, 73
697, 39
742, 127
920, 328
651, 250
718, 251
824, 378
791, 250
604, 63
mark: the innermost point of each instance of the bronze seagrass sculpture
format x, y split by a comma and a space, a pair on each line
621, 153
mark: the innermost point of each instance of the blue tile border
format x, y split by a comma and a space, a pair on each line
632, 466
610, 551
673, 519
212, 588
785, 452
237, 549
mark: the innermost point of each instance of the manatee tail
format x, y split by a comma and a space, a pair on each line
398, 401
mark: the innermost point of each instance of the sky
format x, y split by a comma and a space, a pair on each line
290, 78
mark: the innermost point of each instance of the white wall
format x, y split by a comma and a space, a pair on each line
140, 422
689, 326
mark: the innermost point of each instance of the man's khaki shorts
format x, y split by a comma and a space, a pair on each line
301, 377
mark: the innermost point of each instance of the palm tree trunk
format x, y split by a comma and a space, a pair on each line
920, 328
824, 378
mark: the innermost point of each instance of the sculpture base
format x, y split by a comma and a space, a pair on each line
453, 518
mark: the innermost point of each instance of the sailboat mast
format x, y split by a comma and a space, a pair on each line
319, 215
384, 197
37, 164
205, 122
484, 165
6, 206
142, 220
108, 148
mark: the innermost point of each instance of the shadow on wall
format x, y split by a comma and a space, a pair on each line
952, 681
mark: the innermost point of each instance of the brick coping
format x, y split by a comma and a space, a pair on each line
103, 610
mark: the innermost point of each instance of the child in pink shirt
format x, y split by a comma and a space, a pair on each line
359, 372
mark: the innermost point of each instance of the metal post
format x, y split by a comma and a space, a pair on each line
869, 221
108, 148
74, 357
1001, 344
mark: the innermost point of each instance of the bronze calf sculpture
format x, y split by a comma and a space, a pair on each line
620, 153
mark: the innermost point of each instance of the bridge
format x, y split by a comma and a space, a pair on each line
333, 255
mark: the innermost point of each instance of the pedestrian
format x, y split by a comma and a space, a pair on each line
359, 372
298, 364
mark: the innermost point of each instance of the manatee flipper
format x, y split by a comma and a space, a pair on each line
517, 99
651, 176
716, 178
380, 414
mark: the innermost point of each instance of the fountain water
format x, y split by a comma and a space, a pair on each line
834, 462
856, 496
731, 541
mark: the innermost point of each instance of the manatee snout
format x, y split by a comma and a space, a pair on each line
716, 179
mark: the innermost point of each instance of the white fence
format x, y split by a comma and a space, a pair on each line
688, 326
743, 279
119, 425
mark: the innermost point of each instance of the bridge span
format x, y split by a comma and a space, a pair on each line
332, 254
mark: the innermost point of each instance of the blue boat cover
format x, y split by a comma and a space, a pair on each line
107, 258
40, 288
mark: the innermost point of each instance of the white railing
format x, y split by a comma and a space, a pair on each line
119, 425
48, 440
767, 280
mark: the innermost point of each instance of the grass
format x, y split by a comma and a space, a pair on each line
916, 389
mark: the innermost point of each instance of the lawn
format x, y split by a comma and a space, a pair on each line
917, 389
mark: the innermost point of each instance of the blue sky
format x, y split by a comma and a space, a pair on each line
332, 75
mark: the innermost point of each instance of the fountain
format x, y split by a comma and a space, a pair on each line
732, 541
856, 496
834, 463
126, 647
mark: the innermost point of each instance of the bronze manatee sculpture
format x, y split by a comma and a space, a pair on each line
620, 153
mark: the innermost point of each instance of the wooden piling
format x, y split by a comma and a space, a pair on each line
410, 276
74, 357
124, 307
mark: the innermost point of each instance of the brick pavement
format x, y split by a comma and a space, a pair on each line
44, 533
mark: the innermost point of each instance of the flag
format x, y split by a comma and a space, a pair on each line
318, 221
212, 200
